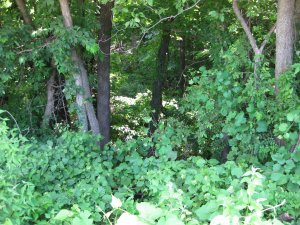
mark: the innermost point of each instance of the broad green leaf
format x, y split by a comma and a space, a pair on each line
173, 220
115, 202
279, 178
83, 219
129, 219
283, 127
205, 212
148, 211
63, 214
262, 126
238, 172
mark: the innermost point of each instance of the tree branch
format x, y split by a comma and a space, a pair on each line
245, 27
267, 38
24, 13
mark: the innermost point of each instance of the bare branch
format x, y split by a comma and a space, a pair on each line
48, 42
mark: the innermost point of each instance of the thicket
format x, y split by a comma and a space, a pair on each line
222, 147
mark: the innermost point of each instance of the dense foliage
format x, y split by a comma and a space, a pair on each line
222, 147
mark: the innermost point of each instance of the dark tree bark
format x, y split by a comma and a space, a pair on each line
156, 101
103, 97
24, 13
226, 148
86, 112
284, 37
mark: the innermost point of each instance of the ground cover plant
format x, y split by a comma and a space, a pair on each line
148, 112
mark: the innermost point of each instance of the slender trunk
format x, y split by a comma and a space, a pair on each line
50, 105
81, 110
284, 38
24, 13
92, 119
49, 110
86, 112
156, 102
103, 97
226, 148
182, 65
297, 22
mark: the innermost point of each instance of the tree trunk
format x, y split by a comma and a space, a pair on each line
50, 105
297, 22
226, 147
24, 13
156, 102
91, 115
49, 111
284, 38
182, 65
103, 97
86, 112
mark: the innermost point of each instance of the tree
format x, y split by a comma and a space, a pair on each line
157, 91
258, 50
103, 97
182, 50
284, 38
86, 112
297, 21
24, 12
49, 109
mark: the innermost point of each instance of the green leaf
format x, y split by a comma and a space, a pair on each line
22, 60
262, 126
279, 178
129, 219
83, 219
8, 222
276, 167
283, 127
115, 202
240, 119
238, 172
206, 211
150, 2
64, 214
173, 220
148, 211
